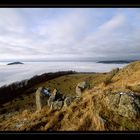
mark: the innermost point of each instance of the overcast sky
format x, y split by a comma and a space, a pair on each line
69, 33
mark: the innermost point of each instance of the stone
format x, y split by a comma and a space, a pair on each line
128, 107
51, 100
78, 91
41, 100
124, 104
68, 101
54, 92
57, 105
57, 94
81, 87
112, 101
46, 92
38, 99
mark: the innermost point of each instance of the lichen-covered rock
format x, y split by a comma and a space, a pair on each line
81, 87
125, 104
112, 101
57, 94
55, 101
129, 106
119, 108
57, 105
41, 100
38, 98
51, 100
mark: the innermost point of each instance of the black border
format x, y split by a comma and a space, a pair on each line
69, 3
71, 135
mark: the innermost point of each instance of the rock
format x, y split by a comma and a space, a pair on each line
121, 108
41, 100
129, 106
55, 100
51, 100
112, 101
125, 104
81, 87
54, 92
57, 94
78, 91
57, 105
68, 101
38, 99
20, 123
46, 91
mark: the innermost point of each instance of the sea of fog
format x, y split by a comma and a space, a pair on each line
14, 73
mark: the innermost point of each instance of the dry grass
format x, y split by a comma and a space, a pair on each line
84, 115
110, 75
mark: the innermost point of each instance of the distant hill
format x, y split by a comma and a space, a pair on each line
15, 63
116, 61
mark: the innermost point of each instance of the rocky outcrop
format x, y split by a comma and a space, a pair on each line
125, 104
54, 100
81, 87
118, 108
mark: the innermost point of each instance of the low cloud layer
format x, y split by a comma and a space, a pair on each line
15, 73
69, 33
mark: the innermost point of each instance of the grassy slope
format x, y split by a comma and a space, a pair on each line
79, 116
66, 84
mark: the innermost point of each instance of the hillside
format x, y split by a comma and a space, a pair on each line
111, 103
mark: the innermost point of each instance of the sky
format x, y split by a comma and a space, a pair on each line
41, 34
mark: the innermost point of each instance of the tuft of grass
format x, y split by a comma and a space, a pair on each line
134, 88
109, 77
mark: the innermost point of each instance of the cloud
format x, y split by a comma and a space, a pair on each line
113, 23
69, 33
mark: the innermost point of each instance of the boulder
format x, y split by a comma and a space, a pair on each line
41, 99
57, 105
129, 106
57, 94
124, 104
51, 100
46, 92
38, 99
120, 109
81, 87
